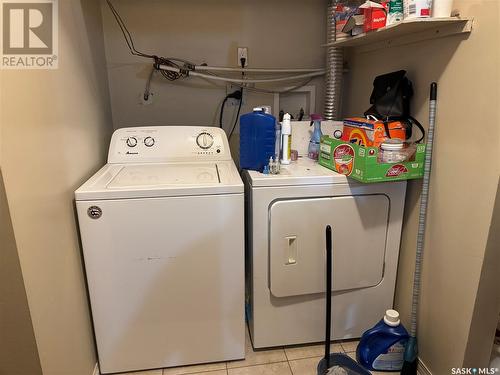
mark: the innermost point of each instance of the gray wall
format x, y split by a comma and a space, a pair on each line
279, 33
18, 351
487, 304
55, 129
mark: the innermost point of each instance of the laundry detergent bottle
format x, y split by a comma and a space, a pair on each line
257, 139
381, 348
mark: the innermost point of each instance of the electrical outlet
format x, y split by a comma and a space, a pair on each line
242, 54
230, 88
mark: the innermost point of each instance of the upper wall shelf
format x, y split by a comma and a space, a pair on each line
407, 31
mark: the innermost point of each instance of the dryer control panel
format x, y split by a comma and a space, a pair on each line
155, 144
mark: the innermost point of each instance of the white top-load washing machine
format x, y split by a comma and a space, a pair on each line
287, 215
163, 243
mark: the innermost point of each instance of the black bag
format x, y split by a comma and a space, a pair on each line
390, 101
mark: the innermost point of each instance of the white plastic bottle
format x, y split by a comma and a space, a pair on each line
442, 8
286, 139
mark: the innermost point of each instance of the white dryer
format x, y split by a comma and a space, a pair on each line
285, 248
163, 243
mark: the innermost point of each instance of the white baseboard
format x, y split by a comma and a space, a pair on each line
96, 370
422, 368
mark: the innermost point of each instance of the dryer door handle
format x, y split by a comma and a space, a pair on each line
291, 250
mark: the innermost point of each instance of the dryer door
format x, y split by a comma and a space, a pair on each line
297, 243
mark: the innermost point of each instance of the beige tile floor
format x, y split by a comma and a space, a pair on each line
300, 360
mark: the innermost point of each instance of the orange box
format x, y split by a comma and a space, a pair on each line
375, 15
370, 133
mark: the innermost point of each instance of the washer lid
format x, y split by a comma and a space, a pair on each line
156, 175
119, 181
301, 172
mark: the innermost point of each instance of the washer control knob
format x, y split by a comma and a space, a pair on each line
131, 141
205, 140
149, 141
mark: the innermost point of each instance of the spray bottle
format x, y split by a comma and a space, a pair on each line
286, 139
313, 150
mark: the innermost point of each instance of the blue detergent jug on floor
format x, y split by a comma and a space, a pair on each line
257, 139
381, 348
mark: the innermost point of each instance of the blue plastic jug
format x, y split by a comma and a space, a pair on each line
257, 139
381, 348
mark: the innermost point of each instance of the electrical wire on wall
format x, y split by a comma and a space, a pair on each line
243, 62
158, 60
174, 68
237, 115
147, 90
236, 95
126, 34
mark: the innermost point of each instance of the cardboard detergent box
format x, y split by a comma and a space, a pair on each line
361, 163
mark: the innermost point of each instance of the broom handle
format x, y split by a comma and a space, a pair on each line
424, 197
328, 296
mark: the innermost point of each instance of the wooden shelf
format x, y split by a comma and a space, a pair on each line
407, 31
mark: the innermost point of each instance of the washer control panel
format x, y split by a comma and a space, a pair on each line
205, 140
168, 143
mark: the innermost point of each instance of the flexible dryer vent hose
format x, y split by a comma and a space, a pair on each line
334, 68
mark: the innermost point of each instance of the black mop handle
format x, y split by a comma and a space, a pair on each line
328, 295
